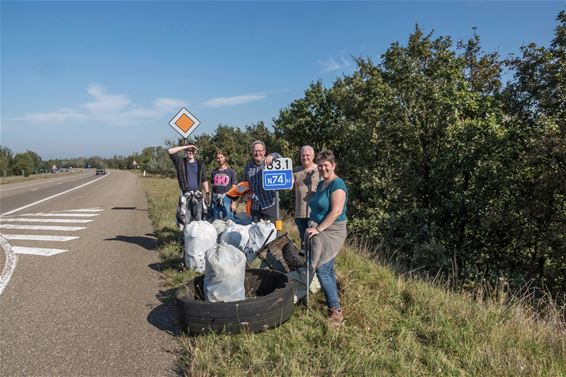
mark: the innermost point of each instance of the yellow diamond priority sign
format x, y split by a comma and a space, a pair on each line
184, 122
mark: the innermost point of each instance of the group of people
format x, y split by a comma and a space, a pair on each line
320, 203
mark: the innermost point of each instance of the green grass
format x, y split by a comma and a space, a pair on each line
395, 325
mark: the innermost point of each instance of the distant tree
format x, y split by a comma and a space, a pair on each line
24, 164
155, 160
6, 161
37, 162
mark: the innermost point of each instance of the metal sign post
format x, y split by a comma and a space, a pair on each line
279, 227
308, 255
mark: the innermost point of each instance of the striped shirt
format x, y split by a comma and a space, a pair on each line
261, 199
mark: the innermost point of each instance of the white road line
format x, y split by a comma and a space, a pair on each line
37, 251
84, 210
35, 189
26, 220
62, 214
10, 263
41, 227
17, 187
38, 237
53, 196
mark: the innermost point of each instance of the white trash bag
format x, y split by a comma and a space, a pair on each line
224, 274
219, 225
259, 234
235, 235
199, 237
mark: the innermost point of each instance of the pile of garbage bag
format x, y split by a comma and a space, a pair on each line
223, 249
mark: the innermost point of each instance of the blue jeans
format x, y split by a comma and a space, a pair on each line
327, 278
222, 212
302, 225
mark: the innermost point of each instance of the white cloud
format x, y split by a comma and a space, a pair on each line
112, 109
168, 104
333, 65
236, 100
60, 116
105, 103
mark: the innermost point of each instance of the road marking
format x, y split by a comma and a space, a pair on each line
17, 187
53, 196
62, 214
38, 237
41, 227
26, 220
35, 189
37, 251
10, 264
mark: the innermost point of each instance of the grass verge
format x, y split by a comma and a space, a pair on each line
395, 325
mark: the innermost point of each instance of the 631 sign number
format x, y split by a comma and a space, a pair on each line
280, 164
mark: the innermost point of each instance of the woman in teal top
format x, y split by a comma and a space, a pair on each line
327, 230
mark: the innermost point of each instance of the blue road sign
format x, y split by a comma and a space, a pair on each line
277, 179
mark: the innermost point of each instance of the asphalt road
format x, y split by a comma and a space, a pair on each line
91, 307
16, 195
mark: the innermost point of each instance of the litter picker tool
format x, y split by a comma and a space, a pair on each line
308, 255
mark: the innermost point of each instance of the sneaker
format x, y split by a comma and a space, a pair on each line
335, 317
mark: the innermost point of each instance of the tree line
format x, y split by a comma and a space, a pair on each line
29, 162
450, 166
455, 157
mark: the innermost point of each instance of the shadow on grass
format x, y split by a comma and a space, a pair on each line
159, 267
146, 242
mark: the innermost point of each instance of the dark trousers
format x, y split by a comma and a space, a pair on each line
264, 214
302, 225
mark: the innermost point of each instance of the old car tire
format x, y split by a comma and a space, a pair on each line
271, 305
293, 256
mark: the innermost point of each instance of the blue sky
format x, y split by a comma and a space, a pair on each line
104, 78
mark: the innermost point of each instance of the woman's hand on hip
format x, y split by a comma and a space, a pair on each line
312, 232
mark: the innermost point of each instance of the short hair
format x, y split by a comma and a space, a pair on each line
326, 155
255, 143
306, 147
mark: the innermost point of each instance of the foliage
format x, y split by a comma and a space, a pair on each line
155, 160
452, 171
536, 106
312, 120
26, 163
6, 161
